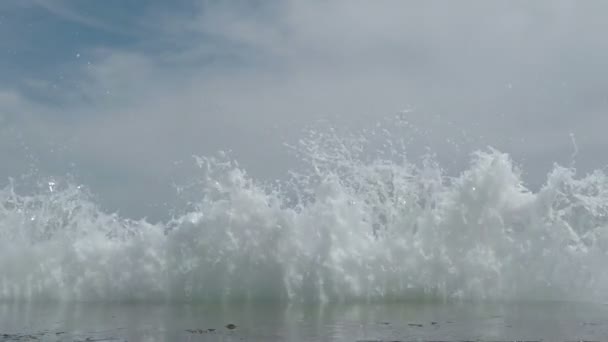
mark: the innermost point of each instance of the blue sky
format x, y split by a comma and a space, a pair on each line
121, 93
43, 38
52, 41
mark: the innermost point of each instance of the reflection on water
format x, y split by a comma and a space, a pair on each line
394, 322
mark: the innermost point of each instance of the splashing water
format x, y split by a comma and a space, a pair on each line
345, 228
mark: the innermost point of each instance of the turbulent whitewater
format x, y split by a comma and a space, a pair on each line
348, 225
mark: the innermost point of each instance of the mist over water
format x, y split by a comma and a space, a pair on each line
358, 221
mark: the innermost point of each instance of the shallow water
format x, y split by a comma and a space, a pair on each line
389, 322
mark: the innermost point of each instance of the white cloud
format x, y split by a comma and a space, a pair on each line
233, 78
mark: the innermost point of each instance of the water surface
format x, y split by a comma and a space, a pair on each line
549, 321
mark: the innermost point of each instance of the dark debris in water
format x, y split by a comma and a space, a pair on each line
210, 330
200, 331
21, 337
46, 336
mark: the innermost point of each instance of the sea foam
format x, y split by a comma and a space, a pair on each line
347, 226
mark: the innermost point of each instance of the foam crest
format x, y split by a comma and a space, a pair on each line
346, 227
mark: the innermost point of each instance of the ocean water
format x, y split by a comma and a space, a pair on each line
544, 321
356, 224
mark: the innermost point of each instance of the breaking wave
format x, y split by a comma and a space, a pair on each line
349, 225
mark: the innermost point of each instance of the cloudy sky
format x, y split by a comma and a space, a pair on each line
121, 93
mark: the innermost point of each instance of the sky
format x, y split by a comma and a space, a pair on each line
120, 94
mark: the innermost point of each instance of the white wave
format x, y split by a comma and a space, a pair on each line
345, 228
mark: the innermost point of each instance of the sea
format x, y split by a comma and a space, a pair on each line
359, 243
